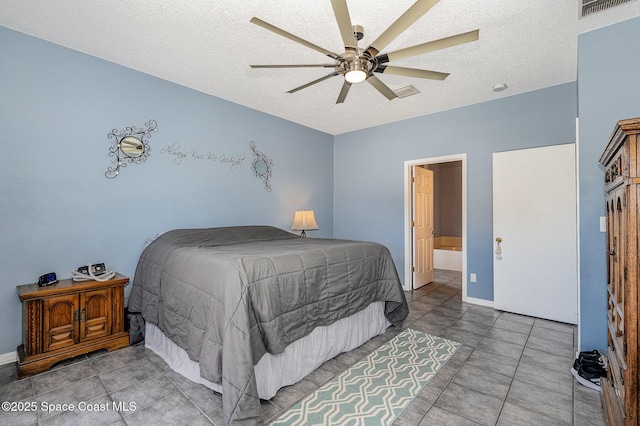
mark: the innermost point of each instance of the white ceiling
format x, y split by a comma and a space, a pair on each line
208, 46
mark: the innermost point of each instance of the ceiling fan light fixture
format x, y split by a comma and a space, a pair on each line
356, 69
356, 64
355, 76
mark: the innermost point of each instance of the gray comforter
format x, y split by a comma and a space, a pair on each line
229, 295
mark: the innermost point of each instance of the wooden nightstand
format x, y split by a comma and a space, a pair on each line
70, 318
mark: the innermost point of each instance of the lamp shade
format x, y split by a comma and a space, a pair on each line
304, 220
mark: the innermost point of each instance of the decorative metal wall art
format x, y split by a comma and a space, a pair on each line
130, 145
262, 166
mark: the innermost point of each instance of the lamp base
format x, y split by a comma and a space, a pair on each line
303, 233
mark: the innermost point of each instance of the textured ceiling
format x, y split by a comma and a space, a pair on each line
208, 46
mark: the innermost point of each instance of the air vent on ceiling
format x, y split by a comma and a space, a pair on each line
403, 92
592, 6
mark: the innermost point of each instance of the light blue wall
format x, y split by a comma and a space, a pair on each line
369, 167
58, 211
609, 90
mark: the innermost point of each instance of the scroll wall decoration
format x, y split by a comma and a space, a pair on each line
262, 166
130, 145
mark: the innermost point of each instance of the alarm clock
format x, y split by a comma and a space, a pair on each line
47, 279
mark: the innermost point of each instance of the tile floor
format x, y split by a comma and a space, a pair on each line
511, 370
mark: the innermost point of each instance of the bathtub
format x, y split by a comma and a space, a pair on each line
447, 253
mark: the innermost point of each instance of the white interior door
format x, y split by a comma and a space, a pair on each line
534, 213
422, 226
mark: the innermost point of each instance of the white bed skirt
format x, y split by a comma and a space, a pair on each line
299, 358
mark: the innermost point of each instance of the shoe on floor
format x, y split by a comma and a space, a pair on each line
588, 374
589, 369
593, 356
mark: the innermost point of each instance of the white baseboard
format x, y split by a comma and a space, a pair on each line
8, 358
482, 302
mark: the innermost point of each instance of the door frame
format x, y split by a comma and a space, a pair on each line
408, 235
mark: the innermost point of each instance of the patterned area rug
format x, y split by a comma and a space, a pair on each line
376, 389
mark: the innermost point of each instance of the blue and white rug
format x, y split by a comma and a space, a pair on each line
376, 389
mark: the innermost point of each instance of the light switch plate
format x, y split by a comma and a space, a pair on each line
603, 224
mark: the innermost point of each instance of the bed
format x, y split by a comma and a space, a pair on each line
231, 296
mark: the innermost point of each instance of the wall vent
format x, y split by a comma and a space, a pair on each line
592, 6
403, 92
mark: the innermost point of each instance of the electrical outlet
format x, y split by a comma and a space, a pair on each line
473, 278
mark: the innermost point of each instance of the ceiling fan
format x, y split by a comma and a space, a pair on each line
357, 64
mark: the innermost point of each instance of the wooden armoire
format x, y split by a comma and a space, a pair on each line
621, 160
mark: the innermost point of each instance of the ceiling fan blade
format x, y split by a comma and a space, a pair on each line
411, 72
412, 14
304, 86
295, 38
381, 87
343, 92
429, 46
344, 22
295, 66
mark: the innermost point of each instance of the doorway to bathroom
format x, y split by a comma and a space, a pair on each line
447, 248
